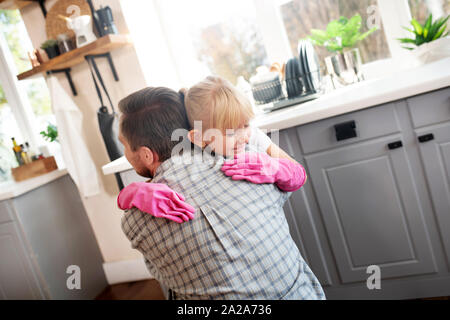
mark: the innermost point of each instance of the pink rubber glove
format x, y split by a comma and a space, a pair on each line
261, 168
156, 199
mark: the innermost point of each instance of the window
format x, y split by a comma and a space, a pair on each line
25, 107
420, 9
8, 129
300, 16
231, 38
19, 44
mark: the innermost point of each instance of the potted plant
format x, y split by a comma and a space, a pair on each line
341, 37
51, 48
51, 134
430, 41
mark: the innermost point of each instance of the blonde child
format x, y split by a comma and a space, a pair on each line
225, 114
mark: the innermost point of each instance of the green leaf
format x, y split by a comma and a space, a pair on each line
420, 40
366, 34
417, 27
434, 28
439, 23
354, 24
407, 29
440, 32
334, 29
342, 20
319, 36
427, 26
408, 48
407, 40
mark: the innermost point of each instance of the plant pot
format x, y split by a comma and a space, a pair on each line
345, 68
52, 51
432, 51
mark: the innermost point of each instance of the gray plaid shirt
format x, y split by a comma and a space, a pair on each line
237, 247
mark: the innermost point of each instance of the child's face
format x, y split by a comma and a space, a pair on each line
231, 142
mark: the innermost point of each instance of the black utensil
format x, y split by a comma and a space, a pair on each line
302, 58
313, 66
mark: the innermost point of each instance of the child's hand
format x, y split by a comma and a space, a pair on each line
156, 199
261, 168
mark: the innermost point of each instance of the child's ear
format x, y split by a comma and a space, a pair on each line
195, 137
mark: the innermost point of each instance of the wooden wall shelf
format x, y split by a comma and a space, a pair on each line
13, 4
69, 59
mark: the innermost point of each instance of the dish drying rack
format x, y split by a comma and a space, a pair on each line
276, 94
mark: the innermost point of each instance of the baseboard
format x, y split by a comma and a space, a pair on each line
126, 271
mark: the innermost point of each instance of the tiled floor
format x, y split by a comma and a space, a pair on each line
150, 290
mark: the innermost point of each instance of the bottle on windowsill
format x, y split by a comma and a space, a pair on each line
17, 152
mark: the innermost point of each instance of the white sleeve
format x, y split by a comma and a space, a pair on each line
260, 139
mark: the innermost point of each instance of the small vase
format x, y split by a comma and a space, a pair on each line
52, 51
345, 68
432, 51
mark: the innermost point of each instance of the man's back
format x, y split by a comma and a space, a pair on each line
237, 247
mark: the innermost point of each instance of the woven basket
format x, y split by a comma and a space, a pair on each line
68, 8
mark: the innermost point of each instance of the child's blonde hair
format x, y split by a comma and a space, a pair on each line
218, 104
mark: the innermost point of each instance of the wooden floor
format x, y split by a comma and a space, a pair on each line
151, 290
140, 290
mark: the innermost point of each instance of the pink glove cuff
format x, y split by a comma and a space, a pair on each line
291, 176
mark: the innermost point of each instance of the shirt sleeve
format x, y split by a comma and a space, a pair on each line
260, 139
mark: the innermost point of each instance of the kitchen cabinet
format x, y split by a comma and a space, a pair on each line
17, 279
366, 203
42, 233
431, 118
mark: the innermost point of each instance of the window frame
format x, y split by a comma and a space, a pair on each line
394, 15
16, 97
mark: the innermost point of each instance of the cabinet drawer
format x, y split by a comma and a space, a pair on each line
369, 123
429, 108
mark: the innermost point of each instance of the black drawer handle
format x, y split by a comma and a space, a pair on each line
395, 145
425, 138
345, 130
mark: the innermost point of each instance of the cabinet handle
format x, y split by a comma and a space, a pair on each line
345, 130
425, 138
395, 145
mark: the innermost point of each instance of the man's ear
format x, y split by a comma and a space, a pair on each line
147, 156
195, 137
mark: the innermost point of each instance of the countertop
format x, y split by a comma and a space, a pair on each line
361, 95
12, 189
355, 97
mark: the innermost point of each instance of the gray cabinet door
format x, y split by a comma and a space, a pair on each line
60, 235
17, 280
369, 205
436, 161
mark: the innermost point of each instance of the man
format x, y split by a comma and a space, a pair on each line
238, 245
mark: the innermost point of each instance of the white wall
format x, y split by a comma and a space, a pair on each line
101, 209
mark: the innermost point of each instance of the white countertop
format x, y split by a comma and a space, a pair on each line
355, 97
117, 165
12, 189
